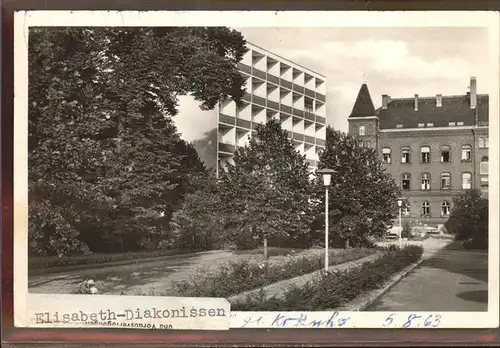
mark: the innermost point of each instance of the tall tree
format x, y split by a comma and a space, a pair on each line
266, 191
103, 151
469, 216
363, 195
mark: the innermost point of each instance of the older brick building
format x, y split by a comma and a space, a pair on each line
435, 147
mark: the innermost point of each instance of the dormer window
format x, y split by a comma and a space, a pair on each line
362, 130
430, 124
460, 123
399, 126
421, 125
451, 124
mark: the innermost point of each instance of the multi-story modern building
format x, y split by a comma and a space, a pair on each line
276, 89
434, 147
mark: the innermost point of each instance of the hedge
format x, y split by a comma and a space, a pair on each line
239, 276
334, 289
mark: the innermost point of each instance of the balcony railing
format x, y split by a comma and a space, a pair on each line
273, 105
259, 100
309, 139
298, 136
285, 108
286, 84
226, 148
298, 112
320, 119
259, 73
309, 115
320, 142
309, 93
320, 96
273, 79
243, 123
245, 68
226, 119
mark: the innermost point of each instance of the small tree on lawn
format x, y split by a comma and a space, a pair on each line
363, 195
198, 223
267, 189
469, 216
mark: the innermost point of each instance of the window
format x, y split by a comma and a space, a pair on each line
362, 130
445, 209
426, 181
466, 181
460, 123
354, 130
386, 154
430, 124
483, 142
445, 154
405, 210
426, 208
399, 126
406, 181
483, 171
425, 152
421, 125
466, 153
405, 155
445, 181
451, 123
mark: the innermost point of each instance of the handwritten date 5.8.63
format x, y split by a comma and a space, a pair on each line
395, 320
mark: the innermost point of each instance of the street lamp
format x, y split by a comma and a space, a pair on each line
400, 203
327, 176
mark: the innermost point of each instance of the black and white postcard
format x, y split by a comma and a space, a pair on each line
217, 170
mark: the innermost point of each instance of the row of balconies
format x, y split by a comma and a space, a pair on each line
258, 64
284, 93
300, 127
254, 105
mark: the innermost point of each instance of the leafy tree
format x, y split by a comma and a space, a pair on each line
363, 195
266, 191
469, 216
198, 224
104, 155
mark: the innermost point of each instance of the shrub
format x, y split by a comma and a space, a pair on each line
334, 289
469, 217
238, 276
89, 287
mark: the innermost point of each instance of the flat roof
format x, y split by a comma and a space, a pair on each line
285, 59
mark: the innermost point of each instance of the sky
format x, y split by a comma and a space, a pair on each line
400, 62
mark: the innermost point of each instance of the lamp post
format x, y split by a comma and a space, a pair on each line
400, 203
327, 176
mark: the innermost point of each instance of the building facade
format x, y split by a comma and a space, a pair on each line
276, 89
434, 147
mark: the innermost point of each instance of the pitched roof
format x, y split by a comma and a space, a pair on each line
363, 106
402, 112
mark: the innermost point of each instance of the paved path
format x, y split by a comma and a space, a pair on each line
449, 279
134, 278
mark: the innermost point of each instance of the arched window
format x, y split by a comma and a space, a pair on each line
406, 181
405, 155
445, 209
386, 154
466, 153
405, 211
362, 130
426, 181
445, 181
445, 154
425, 152
466, 181
354, 130
483, 171
426, 208
481, 143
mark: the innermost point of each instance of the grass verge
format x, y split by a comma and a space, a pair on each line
334, 289
238, 276
48, 262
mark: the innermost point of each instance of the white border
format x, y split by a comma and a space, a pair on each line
249, 19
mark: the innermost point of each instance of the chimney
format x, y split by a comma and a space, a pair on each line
416, 102
385, 100
473, 92
439, 100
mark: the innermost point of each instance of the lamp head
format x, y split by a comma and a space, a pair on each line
327, 175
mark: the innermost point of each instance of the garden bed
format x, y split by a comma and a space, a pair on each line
239, 276
334, 289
